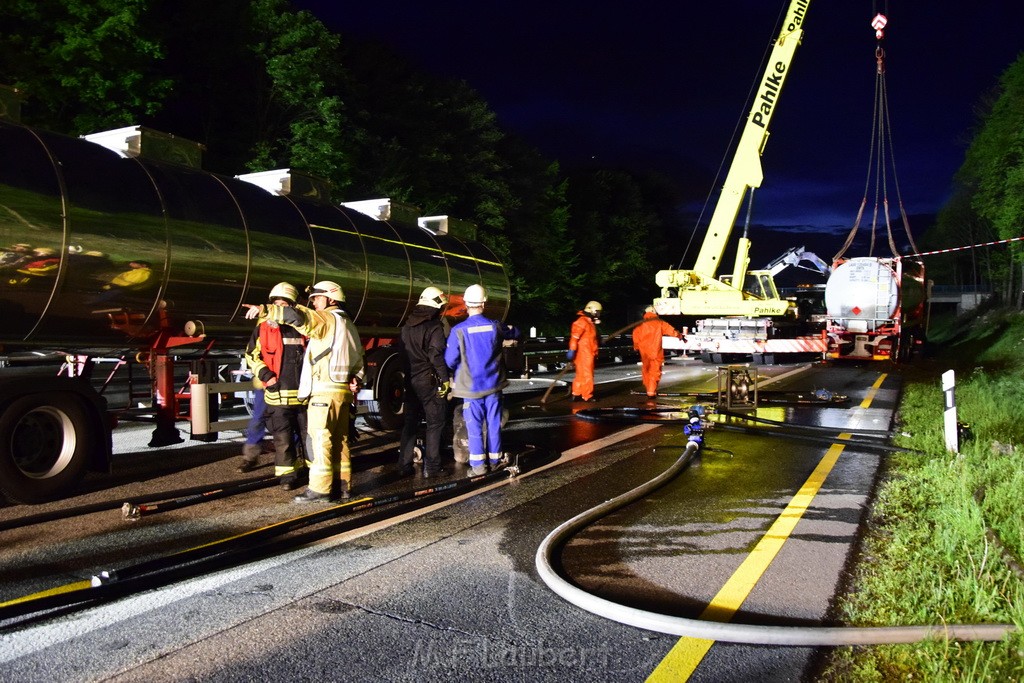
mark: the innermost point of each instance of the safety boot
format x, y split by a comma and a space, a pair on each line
311, 496
290, 482
250, 457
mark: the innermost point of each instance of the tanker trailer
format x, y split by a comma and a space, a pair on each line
119, 245
875, 309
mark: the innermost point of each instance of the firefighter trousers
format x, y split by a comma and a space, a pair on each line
327, 417
288, 428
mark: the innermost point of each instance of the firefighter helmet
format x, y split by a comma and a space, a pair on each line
593, 309
332, 290
433, 297
475, 296
284, 290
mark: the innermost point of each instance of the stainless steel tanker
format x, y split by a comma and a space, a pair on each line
112, 251
875, 308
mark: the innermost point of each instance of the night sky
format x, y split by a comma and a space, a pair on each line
663, 85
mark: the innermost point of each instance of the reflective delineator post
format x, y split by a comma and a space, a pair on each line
949, 417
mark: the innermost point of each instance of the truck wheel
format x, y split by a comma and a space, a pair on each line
906, 350
44, 447
386, 411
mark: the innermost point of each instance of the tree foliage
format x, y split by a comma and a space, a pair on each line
988, 201
86, 65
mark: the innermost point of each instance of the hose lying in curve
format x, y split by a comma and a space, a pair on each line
728, 632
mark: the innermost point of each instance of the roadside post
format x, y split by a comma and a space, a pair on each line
949, 416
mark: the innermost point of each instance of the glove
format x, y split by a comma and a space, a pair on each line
444, 389
570, 354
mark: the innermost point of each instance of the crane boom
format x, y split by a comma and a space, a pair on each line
700, 291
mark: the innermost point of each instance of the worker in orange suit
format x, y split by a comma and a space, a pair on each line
583, 350
647, 338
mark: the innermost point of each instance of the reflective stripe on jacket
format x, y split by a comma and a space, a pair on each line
276, 351
473, 353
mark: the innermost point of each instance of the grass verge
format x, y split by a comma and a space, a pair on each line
945, 542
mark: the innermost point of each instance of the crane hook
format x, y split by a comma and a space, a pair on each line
878, 23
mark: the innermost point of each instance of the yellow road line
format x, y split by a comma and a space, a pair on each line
684, 657
873, 390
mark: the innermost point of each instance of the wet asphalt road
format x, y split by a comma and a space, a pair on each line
452, 592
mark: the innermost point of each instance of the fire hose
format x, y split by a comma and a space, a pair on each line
160, 571
750, 634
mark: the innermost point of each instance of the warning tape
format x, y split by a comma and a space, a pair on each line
972, 246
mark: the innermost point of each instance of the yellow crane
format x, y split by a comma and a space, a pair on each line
701, 290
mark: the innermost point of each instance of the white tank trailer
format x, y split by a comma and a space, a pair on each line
875, 309
121, 246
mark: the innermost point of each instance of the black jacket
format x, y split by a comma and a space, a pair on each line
423, 343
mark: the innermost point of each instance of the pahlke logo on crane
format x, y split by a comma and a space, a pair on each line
769, 92
798, 16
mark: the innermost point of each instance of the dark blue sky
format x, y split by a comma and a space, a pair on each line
662, 85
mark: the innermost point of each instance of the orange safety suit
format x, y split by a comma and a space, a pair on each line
647, 340
583, 340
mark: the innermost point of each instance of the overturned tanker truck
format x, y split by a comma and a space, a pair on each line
120, 248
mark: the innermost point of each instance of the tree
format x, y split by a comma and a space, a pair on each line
426, 141
993, 173
85, 65
300, 114
612, 226
547, 281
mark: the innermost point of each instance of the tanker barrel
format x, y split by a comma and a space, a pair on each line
115, 248
865, 293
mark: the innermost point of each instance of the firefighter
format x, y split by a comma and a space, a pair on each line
583, 343
274, 355
647, 338
332, 374
427, 383
473, 354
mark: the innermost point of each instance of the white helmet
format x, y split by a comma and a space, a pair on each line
433, 297
475, 296
593, 309
284, 290
332, 290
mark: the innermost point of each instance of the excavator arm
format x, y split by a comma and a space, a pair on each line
794, 257
699, 291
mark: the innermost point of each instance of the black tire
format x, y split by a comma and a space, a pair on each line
907, 348
44, 447
386, 411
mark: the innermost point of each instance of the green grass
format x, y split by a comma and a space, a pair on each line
947, 530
